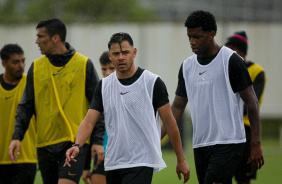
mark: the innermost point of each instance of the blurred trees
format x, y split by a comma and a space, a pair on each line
83, 11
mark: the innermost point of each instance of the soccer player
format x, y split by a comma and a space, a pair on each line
107, 66
60, 87
239, 43
215, 80
132, 100
98, 175
12, 85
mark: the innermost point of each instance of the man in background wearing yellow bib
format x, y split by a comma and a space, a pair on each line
60, 87
239, 43
12, 84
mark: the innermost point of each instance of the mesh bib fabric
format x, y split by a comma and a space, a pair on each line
216, 110
132, 126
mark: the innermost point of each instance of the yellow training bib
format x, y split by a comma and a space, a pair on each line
9, 100
60, 101
254, 70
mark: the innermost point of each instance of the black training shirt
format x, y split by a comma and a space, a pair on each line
160, 95
5, 85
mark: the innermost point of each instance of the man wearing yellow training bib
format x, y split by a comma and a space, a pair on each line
60, 87
239, 43
12, 84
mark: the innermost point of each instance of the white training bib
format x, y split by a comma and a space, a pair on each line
134, 131
216, 110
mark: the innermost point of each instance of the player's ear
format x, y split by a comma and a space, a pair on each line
109, 55
211, 34
4, 63
56, 38
134, 52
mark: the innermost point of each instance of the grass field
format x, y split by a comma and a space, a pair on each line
270, 173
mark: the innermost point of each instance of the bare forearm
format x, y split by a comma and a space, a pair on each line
83, 133
97, 136
249, 97
253, 114
178, 107
86, 127
170, 125
176, 142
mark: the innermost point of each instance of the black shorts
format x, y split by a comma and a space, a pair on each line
217, 163
244, 172
100, 169
135, 175
52, 158
17, 173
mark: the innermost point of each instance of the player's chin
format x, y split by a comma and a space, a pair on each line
122, 70
20, 76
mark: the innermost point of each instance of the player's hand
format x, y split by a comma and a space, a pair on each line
183, 167
256, 156
70, 155
15, 144
100, 153
86, 175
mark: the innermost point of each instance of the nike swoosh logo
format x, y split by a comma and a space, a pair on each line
7, 97
124, 93
70, 174
54, 74
202, 72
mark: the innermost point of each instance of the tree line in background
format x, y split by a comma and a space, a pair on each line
92, 11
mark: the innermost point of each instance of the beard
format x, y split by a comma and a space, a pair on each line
19, 77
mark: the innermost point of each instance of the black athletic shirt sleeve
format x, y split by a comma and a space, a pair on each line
160, 94
181, 89
92, 80
238, 74
258, 85
26, 107
97, 101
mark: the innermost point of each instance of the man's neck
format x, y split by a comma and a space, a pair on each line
10, 80
212, 50
60, 49
129, 73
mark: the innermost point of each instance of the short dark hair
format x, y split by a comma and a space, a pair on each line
10, 49
203, 19
54, 26
104, 58
120, 37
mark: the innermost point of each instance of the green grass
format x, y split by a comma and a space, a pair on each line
270, 172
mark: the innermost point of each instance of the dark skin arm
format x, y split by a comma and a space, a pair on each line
249, 97
177, 108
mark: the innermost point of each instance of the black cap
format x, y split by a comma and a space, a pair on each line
239, 40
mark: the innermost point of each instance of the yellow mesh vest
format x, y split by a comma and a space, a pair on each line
254, 70
60, 101
9, 100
